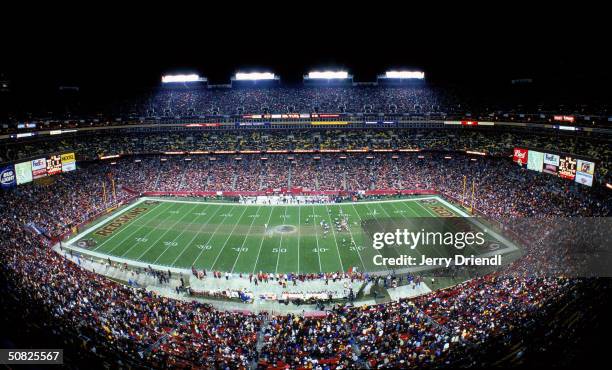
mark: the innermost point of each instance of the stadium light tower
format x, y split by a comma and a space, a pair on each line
400, 77
328, 77
255, 78
182, 78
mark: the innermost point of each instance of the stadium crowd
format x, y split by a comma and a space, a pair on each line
76, 109
493, 142
445, 327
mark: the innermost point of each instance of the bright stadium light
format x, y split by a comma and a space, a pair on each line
405, 74
182, 78
327, 75
254, 76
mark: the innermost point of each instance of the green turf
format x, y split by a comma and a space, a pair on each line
232, 237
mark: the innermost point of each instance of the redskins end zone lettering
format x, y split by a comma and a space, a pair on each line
129, 216
441, 211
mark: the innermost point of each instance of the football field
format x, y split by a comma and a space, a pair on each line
249, 238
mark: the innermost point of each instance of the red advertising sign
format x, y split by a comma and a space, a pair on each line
520, 156
564, 118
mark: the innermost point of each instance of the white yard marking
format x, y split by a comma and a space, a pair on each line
130, 234
166, 232
228, 238
317, 240
156, 218
280, 245
348, 227
104, 222
179, 235
261, 243
244, 240
291, 204
332, 226
209, 238
361, 220
197, 233
298, 239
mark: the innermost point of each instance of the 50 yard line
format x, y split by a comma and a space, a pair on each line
280, 244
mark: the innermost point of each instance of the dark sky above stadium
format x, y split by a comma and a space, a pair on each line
456, 48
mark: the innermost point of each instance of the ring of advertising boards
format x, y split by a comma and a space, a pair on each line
25, 172
565, 166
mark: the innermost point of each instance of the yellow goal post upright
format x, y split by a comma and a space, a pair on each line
104, 192
473, 191
464, 186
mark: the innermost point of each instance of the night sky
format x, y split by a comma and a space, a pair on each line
469, 49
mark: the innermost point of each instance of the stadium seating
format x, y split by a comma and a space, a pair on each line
470, 323
440, 328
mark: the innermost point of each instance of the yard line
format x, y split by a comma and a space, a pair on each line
348, 227
379, 224
245, 238
433, 215
298, 239
103, 221
388, 215
197, 234
314, 223
166, 232
179, 235
137, 230
228, 237
280, 245
262, 240
111, 219
209, 238
132, 233
361, 220
332, 226
416, 214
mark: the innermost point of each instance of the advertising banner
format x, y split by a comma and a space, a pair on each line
68, 162
585, 167
535, 161
552, 159
520, 156
567, 167
7, 177
39, 168
550, 169
584, 178
54, 164
23, 172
